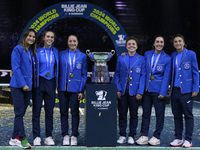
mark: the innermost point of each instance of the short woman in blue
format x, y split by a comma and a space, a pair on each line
45, 82
130, 80
184, 87
158, 67
72, 81
21, 84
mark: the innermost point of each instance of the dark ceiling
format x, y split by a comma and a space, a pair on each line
140, 18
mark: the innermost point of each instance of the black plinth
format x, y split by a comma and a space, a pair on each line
101, 115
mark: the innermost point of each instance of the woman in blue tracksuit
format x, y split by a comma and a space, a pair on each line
21, 84
71, 86
130, 80
184, 87
158, 66
45, 82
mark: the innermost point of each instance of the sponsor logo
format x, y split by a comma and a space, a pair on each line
121, 42
74, 9
101, 94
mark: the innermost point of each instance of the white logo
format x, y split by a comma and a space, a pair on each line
159, 68
121, 37
3, 73
101, 94
78, 66
74, 9
188, 101
138, 70
121, 41
187, 66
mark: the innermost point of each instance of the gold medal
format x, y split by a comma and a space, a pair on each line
129, 79
71, 75
152, 77
47, 74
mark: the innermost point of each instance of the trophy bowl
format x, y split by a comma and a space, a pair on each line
100, 73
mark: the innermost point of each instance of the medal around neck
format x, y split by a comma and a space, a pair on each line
129, 79
152, 77
47, 74
71, 75
100, 73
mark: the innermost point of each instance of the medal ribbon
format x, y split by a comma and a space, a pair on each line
153, 66
178, 63
72, 64
29, 54
47, 59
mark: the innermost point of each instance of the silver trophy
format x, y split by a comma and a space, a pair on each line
100, 73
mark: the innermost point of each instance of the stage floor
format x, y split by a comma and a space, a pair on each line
6, 128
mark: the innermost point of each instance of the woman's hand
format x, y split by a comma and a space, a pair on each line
25, 88
80, 96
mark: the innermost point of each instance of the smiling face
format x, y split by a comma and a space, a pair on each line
158, 44
48, 39
131, 45
30, 39
72, 42
179, 43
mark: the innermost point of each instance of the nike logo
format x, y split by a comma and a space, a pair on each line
188, 102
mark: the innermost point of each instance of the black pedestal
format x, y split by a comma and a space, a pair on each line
101, 115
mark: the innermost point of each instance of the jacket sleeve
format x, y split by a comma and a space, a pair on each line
84, 74
195, 73
16, 67
117, 75
142, 78
166, 78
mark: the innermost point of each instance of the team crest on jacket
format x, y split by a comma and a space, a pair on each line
159, 68
78, 66
187, 66
138, 69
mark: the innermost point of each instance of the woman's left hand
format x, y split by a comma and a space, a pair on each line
80, 96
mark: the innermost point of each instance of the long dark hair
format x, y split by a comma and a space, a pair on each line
24, 44
41, 44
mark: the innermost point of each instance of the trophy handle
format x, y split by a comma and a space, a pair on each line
112, 52
88, 52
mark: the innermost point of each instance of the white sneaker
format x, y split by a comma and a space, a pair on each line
121, 140
74, 141
130, 140
187, 144
66, 140
154, 141
49, 141
15, 142
142, 140
177, 142
37, 141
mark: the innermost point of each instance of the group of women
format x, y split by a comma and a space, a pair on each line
42, 68
148, 78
